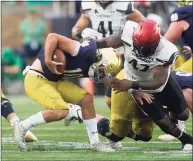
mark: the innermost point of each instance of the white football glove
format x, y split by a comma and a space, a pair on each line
90, 33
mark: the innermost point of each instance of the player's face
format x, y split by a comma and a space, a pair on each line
145, 51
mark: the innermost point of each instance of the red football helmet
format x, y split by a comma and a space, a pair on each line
147, 37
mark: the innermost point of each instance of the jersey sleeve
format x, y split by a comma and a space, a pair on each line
88, 48
126, 7
85, 6
181, 13
172, 59
128, 30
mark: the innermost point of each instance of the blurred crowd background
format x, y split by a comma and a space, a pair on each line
25, 25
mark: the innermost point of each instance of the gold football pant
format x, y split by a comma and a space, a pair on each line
52, 95
127, 117
186, 67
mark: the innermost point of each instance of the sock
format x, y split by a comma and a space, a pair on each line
181, 125
33, 121
185, 138
13, 120
91, 126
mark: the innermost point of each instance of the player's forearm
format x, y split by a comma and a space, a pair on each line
151, 85
113, 41
50, 46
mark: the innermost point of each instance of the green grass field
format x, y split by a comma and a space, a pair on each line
57, 142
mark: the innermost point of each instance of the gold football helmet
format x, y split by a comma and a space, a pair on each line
108, 63
182, 3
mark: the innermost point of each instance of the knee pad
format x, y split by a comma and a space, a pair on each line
184, 115
104, 130
6, 107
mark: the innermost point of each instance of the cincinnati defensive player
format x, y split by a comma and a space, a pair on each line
107, 18
44, 84
181, 26
147, 66
8, 113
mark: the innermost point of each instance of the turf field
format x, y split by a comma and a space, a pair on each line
57, 142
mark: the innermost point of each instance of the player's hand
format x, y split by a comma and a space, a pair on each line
120, 85
140, 95
52, 65
187, 50
90, 33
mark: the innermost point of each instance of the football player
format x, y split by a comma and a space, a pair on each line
106, 17
48, 87
148, 60
8, 113
181, 26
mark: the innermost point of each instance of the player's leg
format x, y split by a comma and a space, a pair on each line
184, 80
179, 109
174, 100
8, 113
142, 126
122, 113
70, 92
43, 92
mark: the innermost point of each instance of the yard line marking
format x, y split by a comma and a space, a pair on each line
51, 142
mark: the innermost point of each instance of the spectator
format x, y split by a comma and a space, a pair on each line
12, 66
33, 29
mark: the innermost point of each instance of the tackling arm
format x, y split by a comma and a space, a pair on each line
160, 74
113, 41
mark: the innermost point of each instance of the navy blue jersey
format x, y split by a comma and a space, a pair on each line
76, 67
185, 13
184, 79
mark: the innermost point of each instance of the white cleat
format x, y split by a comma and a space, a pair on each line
30, 137
166, 137
73, 115
101, 147
187, 147
115, 145
19, 136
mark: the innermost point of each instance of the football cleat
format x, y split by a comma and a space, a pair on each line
101, 147
115, 145
74, 114
30, 137
19, 134
166, 137
187, 147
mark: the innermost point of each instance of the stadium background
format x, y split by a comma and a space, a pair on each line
59, 18
56, 142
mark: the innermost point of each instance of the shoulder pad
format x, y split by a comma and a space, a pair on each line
87, 5
181, 13
128, 32
127, 7
167, 52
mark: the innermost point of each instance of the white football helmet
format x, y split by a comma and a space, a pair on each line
108, 63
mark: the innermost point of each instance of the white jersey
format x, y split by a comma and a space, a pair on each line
141, 68
107, 20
